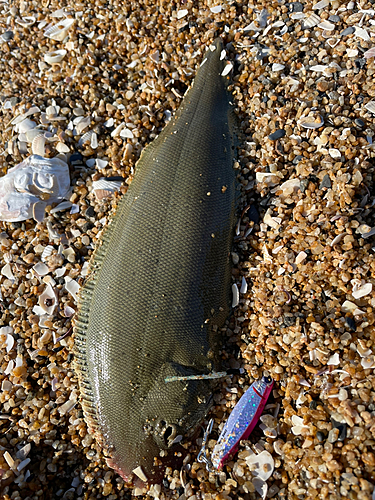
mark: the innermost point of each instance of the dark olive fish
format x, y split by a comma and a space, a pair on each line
158, 287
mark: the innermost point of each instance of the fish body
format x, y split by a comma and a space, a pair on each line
241, 421
158, 287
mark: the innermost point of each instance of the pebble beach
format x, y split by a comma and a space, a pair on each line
93, 83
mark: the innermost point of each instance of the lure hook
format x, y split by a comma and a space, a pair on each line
202, 455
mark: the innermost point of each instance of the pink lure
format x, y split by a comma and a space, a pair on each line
241, 421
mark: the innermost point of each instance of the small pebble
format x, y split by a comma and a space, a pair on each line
276, 135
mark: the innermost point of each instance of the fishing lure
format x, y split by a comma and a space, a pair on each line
239, 425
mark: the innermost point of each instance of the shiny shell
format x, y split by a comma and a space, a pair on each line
55, 57
24, 188
59, 31
370, 106
310, 122
48, 300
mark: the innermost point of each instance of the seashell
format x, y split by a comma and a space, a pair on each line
62, 148
46, 252
311, 21
94, 140
48, 300
262, 465
261, 487
125, 132
352, 52
227, 69
55, 57
236, 295
25, 126
326, 25
58, 13
86, 138
311, 123
318, 68
109, 123
68, 312
277, 67
82, 123
243, 286
334, 359
370, 106
100, 163
7, 272
334, 153
72, 287
182, 13
26, 21
368, 362
7, 331
59, 31
104, 188
217, 9
362, 291
362, 33
40, 269
320, 5
28, 183
61, 206
361, 351
369, 53
297, 15
38, 145
348, 306
332, 42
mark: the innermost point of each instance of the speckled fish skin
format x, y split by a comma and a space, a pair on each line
159, 284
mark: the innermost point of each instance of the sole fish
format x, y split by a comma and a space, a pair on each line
158, 287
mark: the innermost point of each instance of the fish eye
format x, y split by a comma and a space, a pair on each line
267, 380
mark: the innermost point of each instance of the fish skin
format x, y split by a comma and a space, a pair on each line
159, 284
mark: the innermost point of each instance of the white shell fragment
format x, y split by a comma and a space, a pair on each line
227, 69
334, 153
41, 269
370, 106
236, 295
334, 359
326, 25
298, 425
261, 487
34, 181
72, 287
300, 257
277, 67
7, 332
310, 122
59, 31
104, 188
243, 286
362, 291
182, 13
55, 57
262, 465
369, 53
48, 300
311, 21
138, 471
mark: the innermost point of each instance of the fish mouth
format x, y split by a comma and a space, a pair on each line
149, 467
